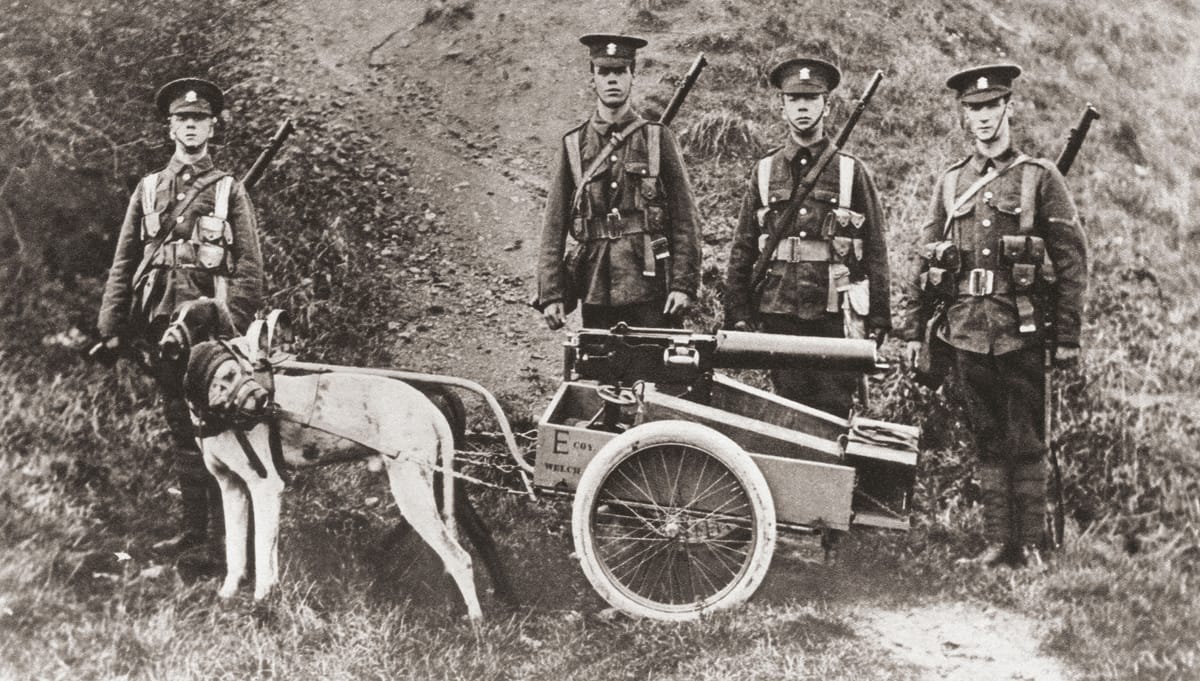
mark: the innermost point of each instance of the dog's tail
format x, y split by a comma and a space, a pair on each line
445, 440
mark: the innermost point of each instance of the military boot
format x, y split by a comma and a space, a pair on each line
197, 489
997, 519
1029, 496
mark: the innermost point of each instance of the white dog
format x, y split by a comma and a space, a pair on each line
255, 422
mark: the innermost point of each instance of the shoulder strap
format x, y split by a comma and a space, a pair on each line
1030, 175
845, 180
572, 142
950, 188
221, 200
149, 190
653, 155
764, 180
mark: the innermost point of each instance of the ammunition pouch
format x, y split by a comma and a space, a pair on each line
174, 255
943, 254
937, 284
1025, 255
212, 237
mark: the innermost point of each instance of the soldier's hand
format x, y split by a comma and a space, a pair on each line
106, 351
877, 335
1066, 357
912, 350
553, 314
677, 303
743, 325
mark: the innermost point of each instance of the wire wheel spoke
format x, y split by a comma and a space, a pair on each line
673, 525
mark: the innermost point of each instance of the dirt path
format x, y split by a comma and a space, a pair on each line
473, 106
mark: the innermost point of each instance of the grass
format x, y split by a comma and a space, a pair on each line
83, 475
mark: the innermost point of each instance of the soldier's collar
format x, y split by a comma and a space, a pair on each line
202, 165
978, 160
791, 148
601, 126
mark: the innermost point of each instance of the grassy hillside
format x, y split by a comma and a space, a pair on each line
80, 447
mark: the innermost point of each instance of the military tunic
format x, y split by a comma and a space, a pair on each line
612, 251
795, 295
183, 194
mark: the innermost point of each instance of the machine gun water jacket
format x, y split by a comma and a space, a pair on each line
623, 209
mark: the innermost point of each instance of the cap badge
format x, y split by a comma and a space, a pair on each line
610, 49
804, 73
981, 84
190, 96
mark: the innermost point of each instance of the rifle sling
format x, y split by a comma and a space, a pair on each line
782, 225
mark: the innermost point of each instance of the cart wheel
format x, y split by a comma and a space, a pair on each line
672, 520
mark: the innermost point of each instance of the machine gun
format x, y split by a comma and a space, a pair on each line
624, 355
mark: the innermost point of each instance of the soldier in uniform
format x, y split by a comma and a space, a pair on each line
829, 275
620, 189
189, 232
1003, 241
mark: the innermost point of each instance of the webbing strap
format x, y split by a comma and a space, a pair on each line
1029, 181
845, 180
149, 190
975, 187
593, 170
949, 188
764, 180
576, 163
221, 200
653, 134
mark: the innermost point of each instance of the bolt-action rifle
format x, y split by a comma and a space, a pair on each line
1065, 160
681, 92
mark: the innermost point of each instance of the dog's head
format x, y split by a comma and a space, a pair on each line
195, 321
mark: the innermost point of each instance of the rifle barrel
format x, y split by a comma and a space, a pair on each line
268, 154
682, 91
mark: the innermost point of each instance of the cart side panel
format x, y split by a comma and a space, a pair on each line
751, 434
565, 445
738, 398
808, 492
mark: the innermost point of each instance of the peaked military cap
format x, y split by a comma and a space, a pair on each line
608, 49
190, 95
805, 76
981, 84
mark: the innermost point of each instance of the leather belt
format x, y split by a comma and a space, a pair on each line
614, 225
795, 249
982, 282
175, 254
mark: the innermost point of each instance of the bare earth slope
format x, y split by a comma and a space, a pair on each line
474, 106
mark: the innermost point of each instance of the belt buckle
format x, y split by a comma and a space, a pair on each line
981, 282
793, 249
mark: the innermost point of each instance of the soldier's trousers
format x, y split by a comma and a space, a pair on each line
1002, 399
199, 492
830, 391
645, 314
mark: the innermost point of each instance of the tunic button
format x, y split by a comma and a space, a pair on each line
613, 185
179, 219
987, 251
803, 161
613, 157
803, 234
986, 223
987, 195
180, 196
804, 211
187, 176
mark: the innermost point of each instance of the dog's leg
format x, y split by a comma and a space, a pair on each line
236, 507
413, 486
266, 498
